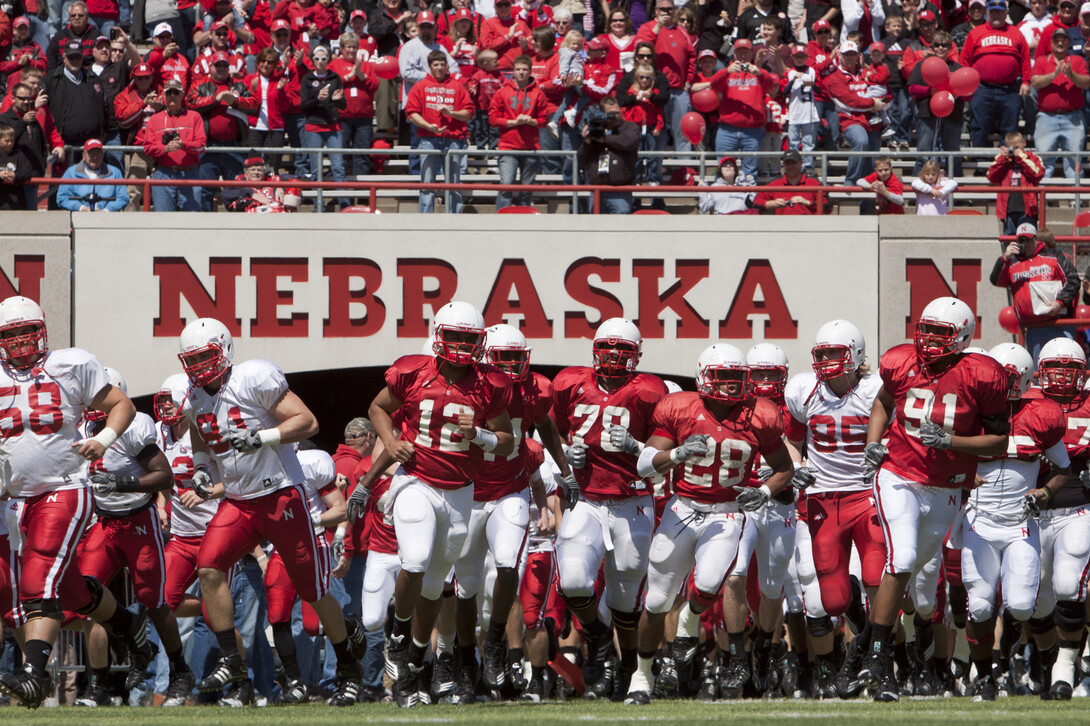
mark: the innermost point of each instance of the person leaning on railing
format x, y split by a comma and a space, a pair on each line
789, 202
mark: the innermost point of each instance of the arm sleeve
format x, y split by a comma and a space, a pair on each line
1071, 287
1000, 276
269, 383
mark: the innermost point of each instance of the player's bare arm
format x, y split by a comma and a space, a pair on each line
119, 411
550, 437
782, 468
386, 403
336, 509
296, 420
880, 414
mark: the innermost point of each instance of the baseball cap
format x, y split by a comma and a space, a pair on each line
799, 49
101, 39
1025, 229
928, 16
254, 161
876, 45
425, 18
357, 14
218, 25
822, 25
293, 197
598, 42
220, 57
743, 43
995, 5
173, 83
21, 20
1084, 9
462, 14
981, 3
1067, 2
791, 155
92, 144
728, 160
1060, 31
73, 47
163, 28
358, 425
142, 70
848, 46
706, 53
280, 24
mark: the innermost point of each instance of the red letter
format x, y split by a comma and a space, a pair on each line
513, 277
341, 271
925, 283
177, 280
577, 283
29, 271
738, 325
689, 273
414, 297
267, 324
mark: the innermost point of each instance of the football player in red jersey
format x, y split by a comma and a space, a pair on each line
1065, 524
615, 517
453, 410
829, 409
1000, 539
716, 434
944, 408
45, 394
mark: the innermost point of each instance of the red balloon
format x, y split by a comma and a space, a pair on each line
964, 82
1082, 312
935, 73
1008, 319
386, 67
942, 104
705, 101
693, 126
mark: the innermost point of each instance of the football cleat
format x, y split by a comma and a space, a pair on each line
181, 684
294, 692
984, 689
228, 669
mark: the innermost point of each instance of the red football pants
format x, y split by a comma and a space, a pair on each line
836, 519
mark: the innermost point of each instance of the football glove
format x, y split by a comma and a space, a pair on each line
576, 454
243, 440
804, 476
763, 474
571, 491
1084, 477
338, 545
934, 436
110, 483
1030, 508
873, 456
357, 503
750, 499
694, 447
202, 483
624, 441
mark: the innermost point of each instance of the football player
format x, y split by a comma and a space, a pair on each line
716, 434
944, 408
44, 394
1000, 543
1065, 524
452, 411
615, 516
247, 419
829, 409
126, 482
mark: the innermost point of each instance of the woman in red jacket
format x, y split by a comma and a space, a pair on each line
267, 124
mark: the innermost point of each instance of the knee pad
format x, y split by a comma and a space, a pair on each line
43, 608
629, 621
1070, 615
1040, 626
819, 627
97, 592
579, 602
958, 598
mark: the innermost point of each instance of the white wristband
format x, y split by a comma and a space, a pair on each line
106, 437
486, 439
342, 530
316, 520
645, 463
200, 459
269, 437
768, 492
675, 455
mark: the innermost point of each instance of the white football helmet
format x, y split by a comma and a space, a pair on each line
769, 363
672, 387
1019, 365
722, 365
839, 348
617, 348
975, 349
206, 350
458, 333
945, 326
505, 347
24, 350
164, 403
1061, 367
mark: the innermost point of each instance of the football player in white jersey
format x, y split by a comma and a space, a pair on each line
43, 396
247, 419
1000, 540
829, 409
128, 533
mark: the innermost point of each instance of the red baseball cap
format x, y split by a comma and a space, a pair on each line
743, 43
280, 24
729, 160
822, 25
425, 18
706, 53
462, 14
101, 39
217, 25
220, 57
254, 161
928, 15
142, 70
799, 49
357, 14
92, 144
21, 20
876, 45
598, 42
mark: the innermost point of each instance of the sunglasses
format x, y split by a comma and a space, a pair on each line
823, 32
77, 15
645, 55
221, 32
23, 98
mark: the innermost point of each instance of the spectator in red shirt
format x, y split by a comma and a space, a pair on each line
220, 37
268, 87
174, 138
999, 53
676, 59
847, 86
789, 202
440, 107
360, 85
505, 34
645, 113
1015, 166
166, 57
742, 87
22, 53
1060, 79
482, 86
887, 187
822, 52
518, 110
133, 107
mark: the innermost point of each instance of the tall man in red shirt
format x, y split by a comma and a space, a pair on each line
174, 138
518, 110
440, 107
999, 53
505, 34
676, 59
1060, 79
742, 87
848, 89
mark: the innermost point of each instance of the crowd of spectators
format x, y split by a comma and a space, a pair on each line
283, 76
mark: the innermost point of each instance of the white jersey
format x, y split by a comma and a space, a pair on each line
121, 459
249, 390
40, 411
550, 475
320, 471
836, 429
185, 522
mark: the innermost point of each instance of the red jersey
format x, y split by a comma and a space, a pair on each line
1037, 424
895, 187
531, 401
359, 95
379, 535
584, 412
439, 459
999, 56
751, 427
675, 56
429, 94
958, 399
741, 97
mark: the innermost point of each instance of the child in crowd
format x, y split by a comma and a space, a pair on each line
888, 189
934, 192
802, 115
461, 42
726, 202
902, 110
706, 66
648, 116
482, 86
877, 76
14, 172
570, 65
322, 22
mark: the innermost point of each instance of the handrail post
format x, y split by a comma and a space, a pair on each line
821, 201
597, 200
147, 194
319, 201
372, 197
446, 178
1041, 208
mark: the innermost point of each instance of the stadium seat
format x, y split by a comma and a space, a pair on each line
1082, 219
517, 210
361, 209
966, 211
650, 211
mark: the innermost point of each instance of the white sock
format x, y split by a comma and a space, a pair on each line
961, 646
444, 643
908, 622
1064, 670
569, 656
688, 622
642, 679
